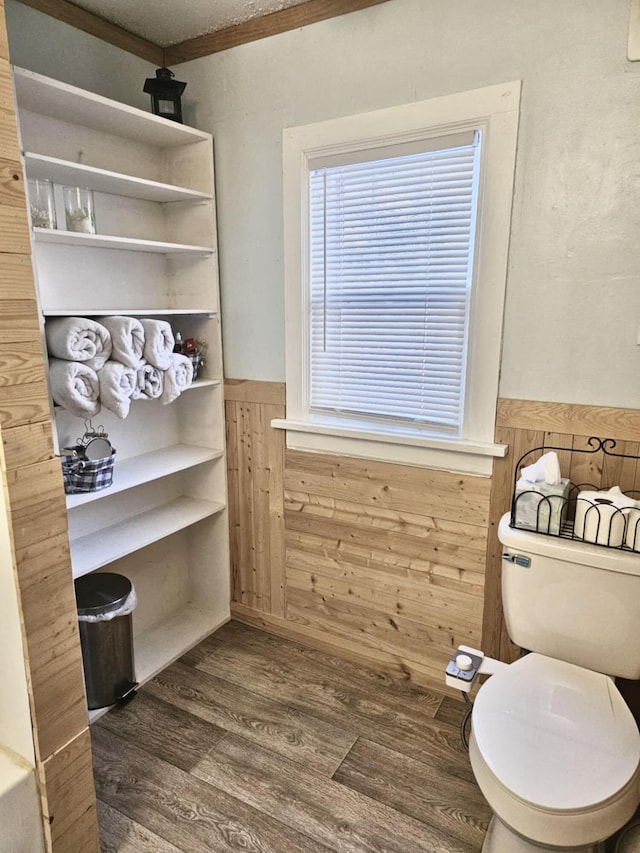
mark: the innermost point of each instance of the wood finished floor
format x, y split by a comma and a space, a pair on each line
256, 744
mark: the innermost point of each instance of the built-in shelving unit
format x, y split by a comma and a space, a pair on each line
163, 522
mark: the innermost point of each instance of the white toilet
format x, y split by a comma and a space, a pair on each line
554, 747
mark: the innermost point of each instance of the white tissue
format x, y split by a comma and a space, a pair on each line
545, 470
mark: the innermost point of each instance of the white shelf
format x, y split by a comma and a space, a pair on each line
202, 383
197, 383
102, 180
86, 109
106, 241
131, 312
98, 549
137, 470
170, 638
166, 641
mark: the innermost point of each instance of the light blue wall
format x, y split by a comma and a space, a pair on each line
573, 294
47, 46
573, 291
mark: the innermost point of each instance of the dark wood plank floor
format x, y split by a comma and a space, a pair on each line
256, 744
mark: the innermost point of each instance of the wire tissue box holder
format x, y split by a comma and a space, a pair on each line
583, 512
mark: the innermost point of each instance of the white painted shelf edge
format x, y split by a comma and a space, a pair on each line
197, 383
77, 106
131, 312
108, 241
202, 383
137, 470
76, 174
102, 547
167, 640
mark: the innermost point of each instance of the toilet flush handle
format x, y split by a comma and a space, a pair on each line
517, 559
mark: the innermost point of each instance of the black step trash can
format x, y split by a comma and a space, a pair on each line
106, 602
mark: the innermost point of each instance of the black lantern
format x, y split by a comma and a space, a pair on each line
165, 94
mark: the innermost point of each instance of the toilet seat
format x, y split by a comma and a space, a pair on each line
555, 751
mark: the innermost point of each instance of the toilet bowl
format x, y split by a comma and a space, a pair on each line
556, 753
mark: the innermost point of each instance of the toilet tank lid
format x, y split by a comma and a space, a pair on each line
569, 550
556, 735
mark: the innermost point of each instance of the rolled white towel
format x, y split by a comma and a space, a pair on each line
127, 340
78, 339
74, 386
177, 377
158, 342
117, 385
149, 383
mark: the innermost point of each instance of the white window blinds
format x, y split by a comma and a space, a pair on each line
391, 262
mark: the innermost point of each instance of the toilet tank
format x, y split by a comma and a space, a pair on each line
571, 600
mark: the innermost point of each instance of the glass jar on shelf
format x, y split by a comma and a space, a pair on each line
79, 211
41, 203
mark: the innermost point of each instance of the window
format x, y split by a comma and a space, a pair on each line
396, 238
390, 263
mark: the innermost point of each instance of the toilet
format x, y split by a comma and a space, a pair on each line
554, 748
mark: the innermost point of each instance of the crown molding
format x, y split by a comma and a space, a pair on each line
291, 18
309, 12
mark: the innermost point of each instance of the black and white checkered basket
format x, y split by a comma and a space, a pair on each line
197, 362
86, 475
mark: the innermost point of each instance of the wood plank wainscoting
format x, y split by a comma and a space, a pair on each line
381, 562
37, 518
388, 564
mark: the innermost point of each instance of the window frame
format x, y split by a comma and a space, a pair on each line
493, 110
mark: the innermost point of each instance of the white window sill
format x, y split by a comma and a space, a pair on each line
406, 448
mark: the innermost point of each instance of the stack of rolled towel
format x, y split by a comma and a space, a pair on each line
112, 362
